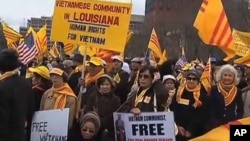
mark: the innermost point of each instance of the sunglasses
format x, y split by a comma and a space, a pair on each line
90, 131
191, 78
144, 76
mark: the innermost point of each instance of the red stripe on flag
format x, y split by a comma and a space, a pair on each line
10, 35
223, 33
155, 41
218, 25
229, 40
202, 9
205, 2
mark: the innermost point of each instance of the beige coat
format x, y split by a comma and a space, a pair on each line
246, 101
48, 100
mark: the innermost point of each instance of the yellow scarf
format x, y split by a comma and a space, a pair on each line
196, 94
90, 79
136, 78
228, 96
8, 74
140, 97
63, 92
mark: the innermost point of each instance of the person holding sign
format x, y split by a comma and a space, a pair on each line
16, 99
120, 77
190, 107
60, 95
150, 96
95, 70
104, 102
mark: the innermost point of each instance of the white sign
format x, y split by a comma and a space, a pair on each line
50, 125
145, 127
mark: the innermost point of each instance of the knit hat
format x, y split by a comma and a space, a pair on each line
165, 77
8, 60
105, 76
91, 117
194, 73
68, 63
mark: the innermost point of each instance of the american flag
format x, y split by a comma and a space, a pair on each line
27, 49
182, 61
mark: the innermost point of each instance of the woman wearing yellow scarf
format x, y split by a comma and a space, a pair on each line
190, 107
226, 100
60, 95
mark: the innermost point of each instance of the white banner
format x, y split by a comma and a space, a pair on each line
145, 127
50, 125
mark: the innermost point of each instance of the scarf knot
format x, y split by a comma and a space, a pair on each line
195, 91
228, 96
61, 100
91, 79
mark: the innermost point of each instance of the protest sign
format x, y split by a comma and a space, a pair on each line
50, 125
155, 126
98, 24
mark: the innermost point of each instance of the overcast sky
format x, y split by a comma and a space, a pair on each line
16, 12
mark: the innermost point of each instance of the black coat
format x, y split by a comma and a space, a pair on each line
190, 118
16, 107
221, 114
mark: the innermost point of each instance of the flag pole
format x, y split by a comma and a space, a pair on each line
83, 89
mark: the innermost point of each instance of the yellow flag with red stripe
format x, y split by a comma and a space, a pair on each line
154, 44
69, 48
10, 34
213, 27
41, 41
221, 133
54, 51
206, 77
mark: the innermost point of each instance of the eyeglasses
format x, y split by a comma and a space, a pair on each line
192, 78
145, 76
137, 62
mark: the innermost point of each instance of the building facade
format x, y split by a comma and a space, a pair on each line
37, 23
136, 23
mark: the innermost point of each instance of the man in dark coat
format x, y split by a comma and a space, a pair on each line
16, 99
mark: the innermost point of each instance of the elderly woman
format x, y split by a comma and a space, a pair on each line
150, 96
104, 102
60, 95
226, 99
190, 107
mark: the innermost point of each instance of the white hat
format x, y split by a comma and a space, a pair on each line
126, 67
136, 59
165, 77
117, 57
